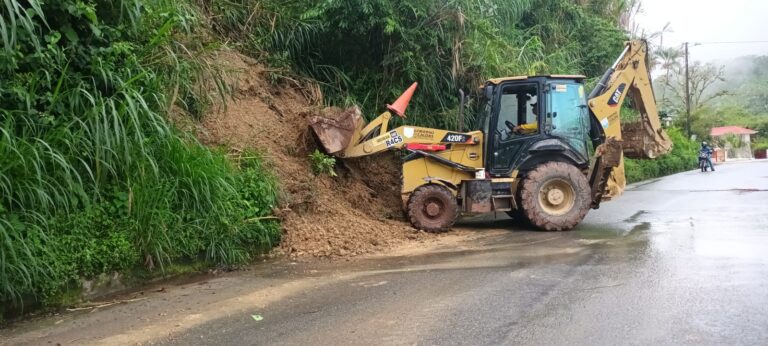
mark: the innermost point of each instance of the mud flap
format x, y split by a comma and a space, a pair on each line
476, 195
335, 135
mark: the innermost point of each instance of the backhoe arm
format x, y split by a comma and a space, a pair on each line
644, 138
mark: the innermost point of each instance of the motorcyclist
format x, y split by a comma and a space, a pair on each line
707, 151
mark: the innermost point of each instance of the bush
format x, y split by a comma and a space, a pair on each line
93, 177
760, 144
683, 157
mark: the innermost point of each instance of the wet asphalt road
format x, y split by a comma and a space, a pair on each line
681, 260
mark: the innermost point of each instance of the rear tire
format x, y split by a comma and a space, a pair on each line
432, 208
555, 196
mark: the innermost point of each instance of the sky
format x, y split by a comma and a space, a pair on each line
709, 21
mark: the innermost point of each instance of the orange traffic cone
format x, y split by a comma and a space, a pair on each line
402, 102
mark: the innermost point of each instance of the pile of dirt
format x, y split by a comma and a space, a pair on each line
357, 212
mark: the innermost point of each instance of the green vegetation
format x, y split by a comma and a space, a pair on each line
734, 94
93, 177
323, 164
683, 157
746, 83
367, 52
705, 118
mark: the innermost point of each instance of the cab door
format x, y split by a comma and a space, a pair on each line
515, 104
568, 116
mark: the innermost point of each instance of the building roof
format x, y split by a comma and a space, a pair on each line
734, 130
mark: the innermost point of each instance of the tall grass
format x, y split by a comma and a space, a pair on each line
93, 177
367, 52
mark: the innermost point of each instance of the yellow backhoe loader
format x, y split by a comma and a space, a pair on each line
543, 151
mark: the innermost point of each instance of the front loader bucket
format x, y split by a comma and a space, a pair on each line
640, 141
336, 134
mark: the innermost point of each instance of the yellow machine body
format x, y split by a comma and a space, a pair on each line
458, 161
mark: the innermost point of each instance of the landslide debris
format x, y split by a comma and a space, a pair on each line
358, 212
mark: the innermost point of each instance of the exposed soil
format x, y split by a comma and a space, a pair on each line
358, 212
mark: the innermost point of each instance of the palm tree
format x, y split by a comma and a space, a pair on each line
669, 58
635, 31
627, 17
666, 28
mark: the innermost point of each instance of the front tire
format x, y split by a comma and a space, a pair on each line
432, 208
555, 196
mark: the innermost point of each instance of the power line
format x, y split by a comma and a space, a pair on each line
727, 42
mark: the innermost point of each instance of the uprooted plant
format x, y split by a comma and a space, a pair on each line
323, 164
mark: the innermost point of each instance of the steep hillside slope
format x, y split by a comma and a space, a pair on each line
356, 213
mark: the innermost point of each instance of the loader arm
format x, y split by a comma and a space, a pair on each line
644, 139
376, 137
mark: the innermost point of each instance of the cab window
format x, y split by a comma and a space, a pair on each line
569, 117
518, 109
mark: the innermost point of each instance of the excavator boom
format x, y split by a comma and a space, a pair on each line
641, 139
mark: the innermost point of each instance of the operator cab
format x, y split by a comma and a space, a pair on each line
529, 120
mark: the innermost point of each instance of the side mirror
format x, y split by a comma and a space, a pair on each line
488, 89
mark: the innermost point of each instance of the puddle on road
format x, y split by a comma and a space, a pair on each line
628, 240
636, 216
641, 227
598, 232
608, 231
500, 242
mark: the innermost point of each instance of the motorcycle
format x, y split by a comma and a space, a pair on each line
703, 165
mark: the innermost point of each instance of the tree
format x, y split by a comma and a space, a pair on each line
701, 78
627, 17
668, 59
748, 84
445, 45
650, 37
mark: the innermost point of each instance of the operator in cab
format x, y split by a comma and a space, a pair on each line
529, 128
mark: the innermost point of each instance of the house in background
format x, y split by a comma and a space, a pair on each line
736, 141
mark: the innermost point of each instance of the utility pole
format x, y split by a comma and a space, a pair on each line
687, 96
